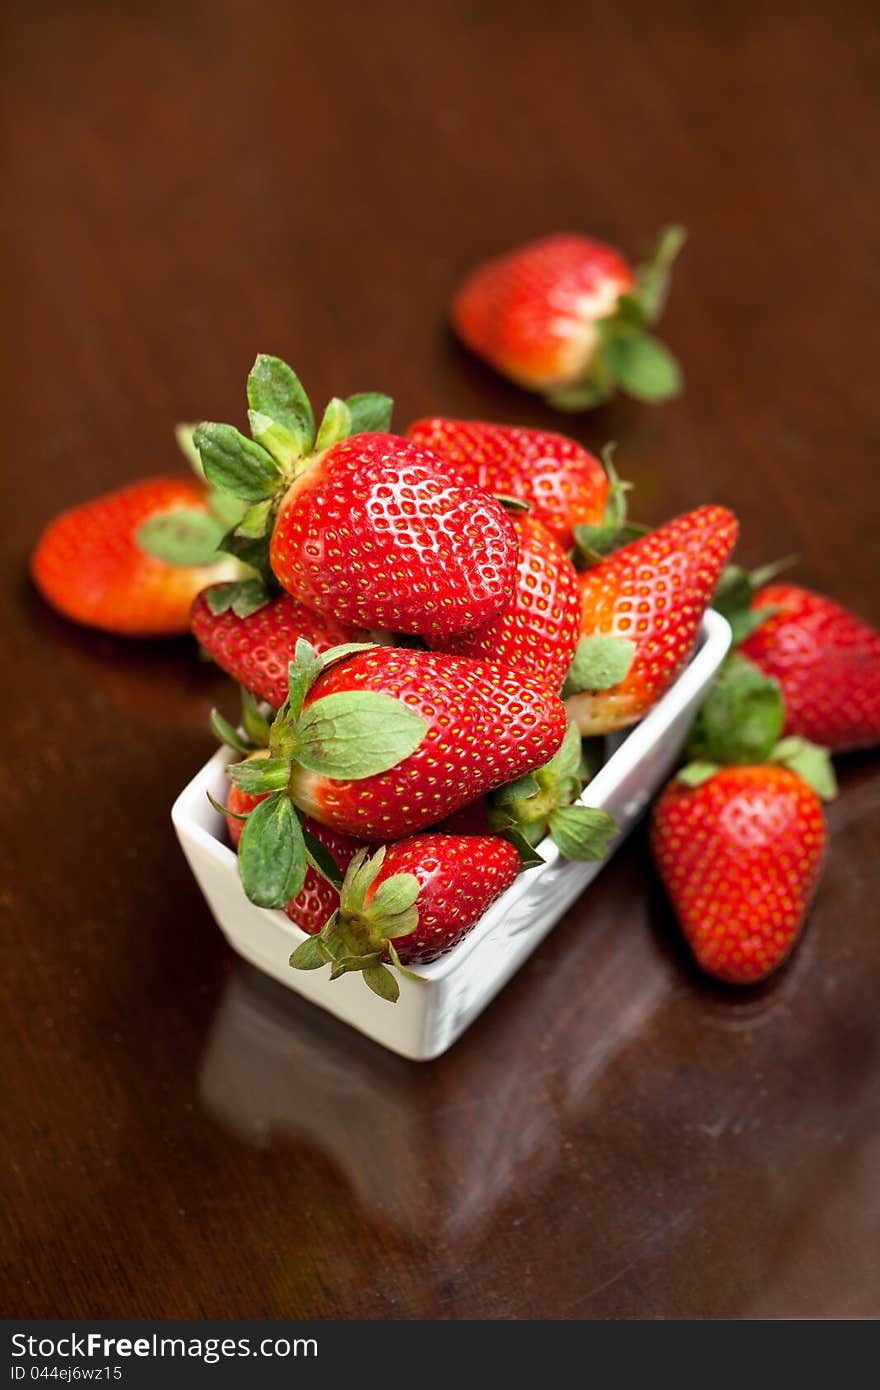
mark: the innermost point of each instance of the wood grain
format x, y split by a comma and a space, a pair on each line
186, 184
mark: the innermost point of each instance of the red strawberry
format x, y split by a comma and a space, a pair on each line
537, 632
256, 650
481, 725
379, 532
641, 610
357, 523
564, 485
565, 316
410, 904
740, 856
826, 660
391, 740
90, 565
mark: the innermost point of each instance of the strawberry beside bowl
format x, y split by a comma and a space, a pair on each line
436, 1009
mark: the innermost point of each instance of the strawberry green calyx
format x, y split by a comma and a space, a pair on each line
736, 589
258, 471
360, 935
740, 723
253, 733
600, 662
346, 736
741, 719
628, 357
595, 543
188, 536
544, 802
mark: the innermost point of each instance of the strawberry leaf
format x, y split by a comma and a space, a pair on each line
251, 551
582, 832
599, 663
335, 425
226, 734
652, 277
641, 365
369, 411
243, 596
255, 726
255, 522
184, 537
271, 855
285, 448
275, 391
322, 860
595, 543
529, 857
697, 772
235, 464
583, 395
224, 810
355, 734
741, 719
394, 896
259, 775
308, 955
522, 788
809, 761
382, 982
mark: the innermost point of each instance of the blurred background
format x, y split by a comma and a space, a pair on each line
187, 184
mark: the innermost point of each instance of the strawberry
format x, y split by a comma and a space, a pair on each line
257, 649
360, 525
92, 562
567, 316
563, 484
538, 630
827, 662
481, 725
740, 854
409, 904
380, 742
641, 610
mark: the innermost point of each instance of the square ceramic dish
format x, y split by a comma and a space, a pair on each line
432, 1012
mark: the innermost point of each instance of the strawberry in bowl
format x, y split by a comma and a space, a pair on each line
361, 526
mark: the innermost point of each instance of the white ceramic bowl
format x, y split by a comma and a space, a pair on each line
433, 1011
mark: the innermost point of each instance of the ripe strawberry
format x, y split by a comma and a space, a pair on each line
256, 650
641, 610
379, 532
566, 316
827, 662
410, 904
740, 856
564, 485
538, 631
91, 565
480, 725
359, 524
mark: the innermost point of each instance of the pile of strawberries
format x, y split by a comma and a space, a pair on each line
434, 632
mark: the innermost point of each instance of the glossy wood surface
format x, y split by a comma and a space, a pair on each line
186, 184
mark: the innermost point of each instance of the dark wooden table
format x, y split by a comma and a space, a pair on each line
186, 184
